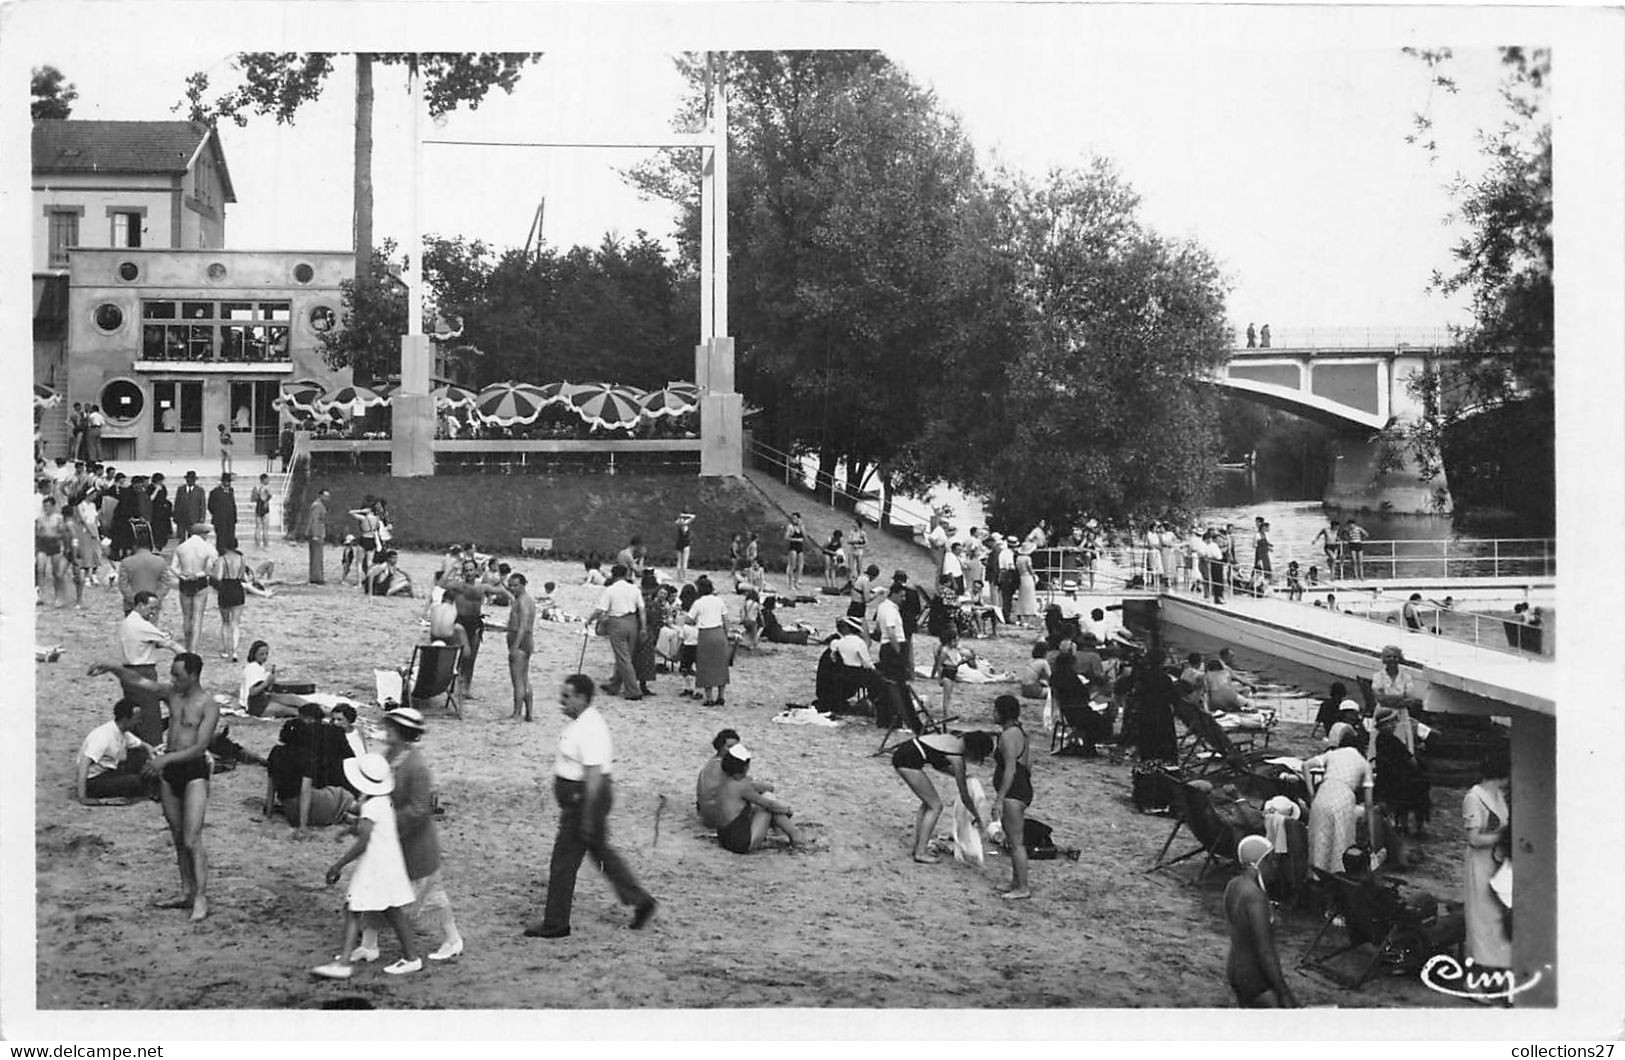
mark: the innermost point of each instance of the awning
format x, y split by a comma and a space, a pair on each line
50, 299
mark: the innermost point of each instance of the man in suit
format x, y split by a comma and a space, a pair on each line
223, 513
316, 526
189, 502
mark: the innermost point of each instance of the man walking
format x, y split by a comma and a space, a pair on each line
521, 642
184, 767
581, 784
622, 605
316, 527
190, 567
223, 513
189, 501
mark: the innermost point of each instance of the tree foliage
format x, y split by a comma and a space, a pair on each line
53, 94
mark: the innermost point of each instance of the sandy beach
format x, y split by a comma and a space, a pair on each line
855, 923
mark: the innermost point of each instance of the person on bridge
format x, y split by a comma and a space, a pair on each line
1264, 337
1355, 534
1330, 540
1252, 338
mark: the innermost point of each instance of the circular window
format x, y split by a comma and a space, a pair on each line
303, 273
217, 271
323, 319
122, 400
128, 270
109, 317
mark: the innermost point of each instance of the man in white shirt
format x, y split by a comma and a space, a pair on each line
139, 641
621, 606
581, 784
953, 566
936, 539
190, 567
107, 769
893, 661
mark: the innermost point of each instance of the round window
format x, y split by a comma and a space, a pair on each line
109, 317
217, 271
121, 400
303, 273
129, 271
323, 319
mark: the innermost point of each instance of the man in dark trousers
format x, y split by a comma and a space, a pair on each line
223, 513
316, 527
581, 783
284, 446
189, 504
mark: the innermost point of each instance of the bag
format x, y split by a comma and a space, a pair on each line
1038, 838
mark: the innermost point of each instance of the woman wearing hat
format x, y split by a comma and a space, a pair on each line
413, 800
380, 883
1026, 606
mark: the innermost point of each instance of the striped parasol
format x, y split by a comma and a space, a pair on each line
354, 400
686, 389
556, 393
668, 402
608, 406
45, 397
506, 404
300, 395
452, 396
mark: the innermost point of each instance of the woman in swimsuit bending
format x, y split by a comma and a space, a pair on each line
1012, 775
946, 753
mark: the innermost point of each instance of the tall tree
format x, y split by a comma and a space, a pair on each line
53, 94
279, 83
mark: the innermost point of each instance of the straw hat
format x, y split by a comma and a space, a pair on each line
849, 624
370, 774
408, 718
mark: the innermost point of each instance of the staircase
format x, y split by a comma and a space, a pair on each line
245, 476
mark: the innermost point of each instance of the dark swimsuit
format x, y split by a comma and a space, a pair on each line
917, 755
1021, 788
735, 835
229, 592
682, 540
179, 774
797, 539
192, 586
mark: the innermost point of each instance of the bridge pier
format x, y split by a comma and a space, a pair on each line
1357, 481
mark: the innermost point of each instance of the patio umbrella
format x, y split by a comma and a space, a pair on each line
355, 400
608, 406
667, 402
452, 396
685, 388
300, 395
45, 397
555, 393
506, 404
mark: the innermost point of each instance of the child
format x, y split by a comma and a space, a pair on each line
350, 558
687, 655
595, 574
379, 883
750, 618
1314, 575
546, 608
945, 667
1294, 582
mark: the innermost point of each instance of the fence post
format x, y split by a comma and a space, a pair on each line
1496, 545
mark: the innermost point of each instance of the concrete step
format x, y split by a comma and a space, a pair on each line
244, 477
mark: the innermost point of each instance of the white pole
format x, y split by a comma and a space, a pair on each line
719, 200
414, 285
707, 219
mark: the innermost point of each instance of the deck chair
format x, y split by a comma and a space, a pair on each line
910, 716
1215, 836
1396, 934
432, 674
1189, 745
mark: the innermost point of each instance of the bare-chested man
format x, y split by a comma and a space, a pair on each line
521, 642
50, 550
740, 810
184, 768
466, 593
190, 567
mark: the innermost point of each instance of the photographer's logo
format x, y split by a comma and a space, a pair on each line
1447, 975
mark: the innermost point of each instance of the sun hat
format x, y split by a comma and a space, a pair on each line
408, 718
1386, 716
740, 751
370, 774
1253, 849
1348, 705
849, 623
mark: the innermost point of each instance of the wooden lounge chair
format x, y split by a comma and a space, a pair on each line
432, 674
1377, 919
1215, 836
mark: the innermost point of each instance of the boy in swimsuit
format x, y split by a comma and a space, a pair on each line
184, 767
521, 642
742, 812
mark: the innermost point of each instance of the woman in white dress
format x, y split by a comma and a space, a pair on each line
1334, 814
1486, 820
1026, 589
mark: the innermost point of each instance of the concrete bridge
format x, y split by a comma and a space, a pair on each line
1344, 379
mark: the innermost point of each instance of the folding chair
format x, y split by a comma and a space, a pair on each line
1215, 836
1374, 915
432, 673
910, 714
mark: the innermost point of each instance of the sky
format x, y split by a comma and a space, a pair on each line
1288, 163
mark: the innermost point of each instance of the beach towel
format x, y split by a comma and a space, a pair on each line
967, 840
388, 685
793, 715
1277, 812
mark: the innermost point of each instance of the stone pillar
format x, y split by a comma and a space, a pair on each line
1534, 853
411, 448
722, 449
1354, 481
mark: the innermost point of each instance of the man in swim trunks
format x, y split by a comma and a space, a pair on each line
184, 767
467, 594
1253, 967
521, 642
50, 553
741, 811
190, 568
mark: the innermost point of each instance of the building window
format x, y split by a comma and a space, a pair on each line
122, 400
179, 405
64, 236
127, 228
215, 331
217, 271
323, 319
109, 317
303, 273
129, 271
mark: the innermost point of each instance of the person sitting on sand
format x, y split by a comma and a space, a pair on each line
595, 573
711, 776
547, 608
304, 774
111, 759
1035, 678
946, 753
774, 632
255, 694
385, 578
741, 812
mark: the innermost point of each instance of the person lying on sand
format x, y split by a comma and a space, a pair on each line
741, 812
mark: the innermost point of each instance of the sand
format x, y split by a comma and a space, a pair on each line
854, 924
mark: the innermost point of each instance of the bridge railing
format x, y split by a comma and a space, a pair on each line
1353, 336
796, 472
1487, 631
1493, 557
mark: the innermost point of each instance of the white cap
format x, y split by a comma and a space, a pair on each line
740, 751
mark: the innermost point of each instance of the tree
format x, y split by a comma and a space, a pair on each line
1506, 357
373, 320
846, 184
279, 83
53, 94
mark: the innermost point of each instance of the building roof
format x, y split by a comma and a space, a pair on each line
68, 146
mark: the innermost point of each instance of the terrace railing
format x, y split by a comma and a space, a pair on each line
1497, 557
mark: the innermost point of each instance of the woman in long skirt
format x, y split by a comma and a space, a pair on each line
1333, 815
709, 614
1486, 818
1026, 590
163, 513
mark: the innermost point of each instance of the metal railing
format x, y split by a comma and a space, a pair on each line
1496, 557
1356, 336
796, 473
1490, 632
